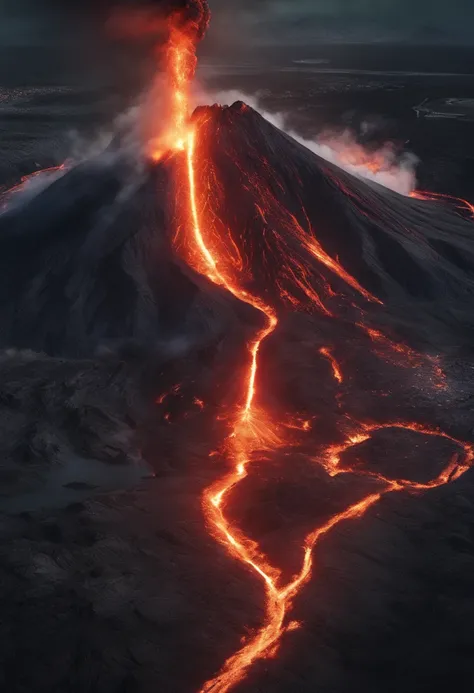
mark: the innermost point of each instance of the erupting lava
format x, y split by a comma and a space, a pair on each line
185, 27
253, 428
181, 61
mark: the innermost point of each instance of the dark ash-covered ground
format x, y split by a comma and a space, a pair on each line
126, 591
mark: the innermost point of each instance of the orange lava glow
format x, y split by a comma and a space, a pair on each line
327, 353
254, 430
458, 202
353, 154
175, 390
26, 179
180, 68
181, 59
409, 357
314, 247
363, 432
298, 271
215, 255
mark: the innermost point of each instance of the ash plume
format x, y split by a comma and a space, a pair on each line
195, 12
135, 20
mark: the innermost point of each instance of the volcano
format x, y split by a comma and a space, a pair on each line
90, 257
303, 341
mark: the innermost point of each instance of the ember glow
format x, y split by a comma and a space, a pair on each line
336, 370
407, 357
214, 252
45, 173
457, 202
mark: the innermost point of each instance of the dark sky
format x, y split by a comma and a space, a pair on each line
372, 20
37, 21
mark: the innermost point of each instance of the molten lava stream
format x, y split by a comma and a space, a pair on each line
461, 204
253, 430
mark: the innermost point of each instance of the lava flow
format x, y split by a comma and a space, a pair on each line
252, 427
336, 370
457, 202
254, 430
45, 174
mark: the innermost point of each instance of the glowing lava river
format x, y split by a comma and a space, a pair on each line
212, 249
253, 430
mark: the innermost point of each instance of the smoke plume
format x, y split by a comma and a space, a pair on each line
152, 18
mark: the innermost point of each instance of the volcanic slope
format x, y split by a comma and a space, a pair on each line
256, 203
309, 233
333, 452
87, 258
86, 262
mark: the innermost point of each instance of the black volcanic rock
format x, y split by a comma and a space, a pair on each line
88, 260
129, 592
86, 263
67, 428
